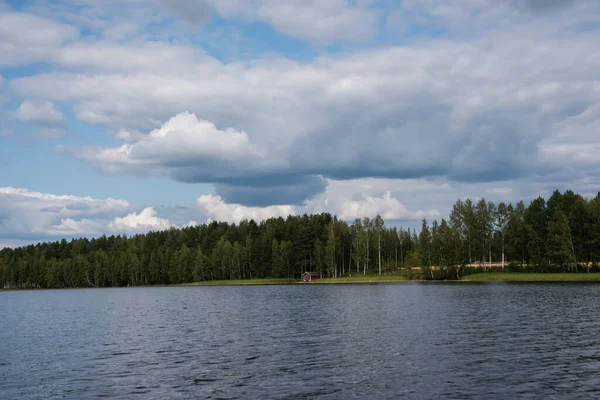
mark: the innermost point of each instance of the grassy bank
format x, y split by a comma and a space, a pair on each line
284, 281
266, 281
363, 279
532, 277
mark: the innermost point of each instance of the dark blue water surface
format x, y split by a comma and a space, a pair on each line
379, 341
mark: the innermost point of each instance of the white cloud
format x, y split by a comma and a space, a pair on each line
43, 112
186, 148
215, 208
442, 109
129, 135
388, 207
346, 199
359, 198
144, 221
36, 215
27, 216
47, 119
26, 38
515, 103
70, 227
500, 191
471, 111
329, 20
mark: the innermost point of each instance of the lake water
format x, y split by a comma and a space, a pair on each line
455, 341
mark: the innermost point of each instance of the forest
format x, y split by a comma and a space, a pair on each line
561, 233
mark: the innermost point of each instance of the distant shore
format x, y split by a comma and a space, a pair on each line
324, 281
475, 278
483, 277
532, 277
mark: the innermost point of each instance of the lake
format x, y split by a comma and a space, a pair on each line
455, 341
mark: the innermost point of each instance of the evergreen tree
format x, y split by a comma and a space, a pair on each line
559, 240
425, 250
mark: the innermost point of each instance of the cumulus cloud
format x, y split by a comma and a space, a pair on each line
48, 120
43, 112
26, 214
70, 227
186, 148
500, 191
346, 199
392, 199
192, 11
284, 189
144, 221
470, 112
329, 20
215, 208
26, 38
33, 216
388, 207
543, 5
516, 103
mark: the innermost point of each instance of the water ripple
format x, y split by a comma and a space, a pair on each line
294, 342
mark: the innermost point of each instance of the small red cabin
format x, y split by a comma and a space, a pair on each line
310, 276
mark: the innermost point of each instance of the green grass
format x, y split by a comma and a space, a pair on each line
266, 281
363, 278
532, 277
285, 281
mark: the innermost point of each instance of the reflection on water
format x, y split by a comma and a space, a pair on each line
351, 341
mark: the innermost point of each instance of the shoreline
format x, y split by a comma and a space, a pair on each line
480, 278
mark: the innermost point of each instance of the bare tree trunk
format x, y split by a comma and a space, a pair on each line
396, 253
502, 251
379, 250
368, 245
573, 250
470, 259
343, 267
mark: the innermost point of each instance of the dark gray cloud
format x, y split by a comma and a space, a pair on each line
195, 11
78, 206
506, 105
545, 5
279, 191
52, 209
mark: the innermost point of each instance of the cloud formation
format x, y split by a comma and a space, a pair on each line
215, 208
445, 109
329, 20
186, 148
38, 36
465, 98
346, 199
144, 221
26, 214
43, 112
47, 119
33, 216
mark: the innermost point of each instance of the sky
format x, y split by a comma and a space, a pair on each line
124, 116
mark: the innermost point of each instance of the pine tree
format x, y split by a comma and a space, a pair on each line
425, 250
277, 265
559, 240
199, 265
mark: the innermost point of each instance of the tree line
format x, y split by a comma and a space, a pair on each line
558, 234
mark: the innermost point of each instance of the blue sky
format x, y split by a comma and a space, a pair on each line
125, 116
